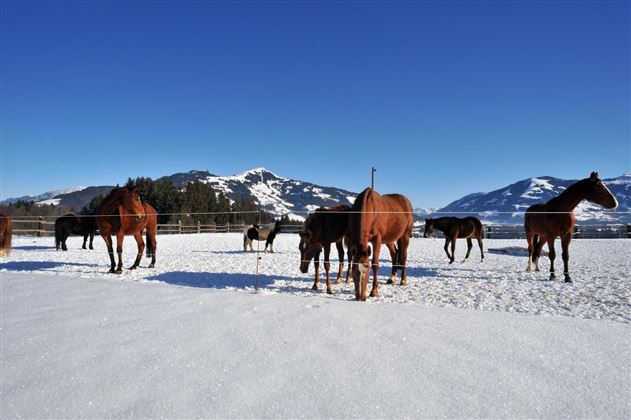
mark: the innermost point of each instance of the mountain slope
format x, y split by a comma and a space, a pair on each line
276, 194
506, 205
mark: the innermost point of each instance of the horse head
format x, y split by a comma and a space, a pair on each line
308, 248
598, 193
429, 228
129, 203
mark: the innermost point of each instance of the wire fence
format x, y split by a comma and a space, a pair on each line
44, 226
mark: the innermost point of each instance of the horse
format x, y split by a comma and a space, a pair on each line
544, 222
454, 228
6, 234
122, 213
265, 233
322, 228
72, 224
379, 220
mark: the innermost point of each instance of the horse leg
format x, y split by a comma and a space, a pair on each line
376, 247
141, 249
316, 265
327, 268
537, 253
152, 244
479, 238
64, 238
565, 246
340, 254
404, 242
110, 250
530, 237
447, 240
469, 246
393, 255
357, 279
120, 237
551, 254
349, 269
85, 240
91, 239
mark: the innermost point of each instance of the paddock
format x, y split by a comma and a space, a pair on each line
500, 283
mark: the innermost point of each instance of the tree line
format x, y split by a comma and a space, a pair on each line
196, 202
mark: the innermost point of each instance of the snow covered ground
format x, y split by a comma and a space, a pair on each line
193, 338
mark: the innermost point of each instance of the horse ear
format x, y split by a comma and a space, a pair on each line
594, 176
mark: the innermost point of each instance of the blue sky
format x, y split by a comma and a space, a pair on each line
444, 98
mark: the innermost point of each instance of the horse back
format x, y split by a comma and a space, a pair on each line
329, 225
545, 221
395, 217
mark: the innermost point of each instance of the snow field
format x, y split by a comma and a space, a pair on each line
193, 338
600, 269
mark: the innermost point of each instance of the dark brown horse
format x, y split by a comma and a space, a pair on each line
454, 228
379, 220
72, 224
322, 228
122, 213
544, 222
6, 233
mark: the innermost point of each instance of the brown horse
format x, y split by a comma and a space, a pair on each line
379, 220
6, 233
322, 228
544, 222
454, 228
122, 213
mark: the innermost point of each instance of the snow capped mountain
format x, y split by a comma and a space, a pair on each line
274, 193
44, 198
506, 205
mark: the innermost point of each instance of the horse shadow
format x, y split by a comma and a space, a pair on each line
207, 280
37, 265
33, 247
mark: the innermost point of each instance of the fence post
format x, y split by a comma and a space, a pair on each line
40, 226
228, 227
179, 226
199, 227
577, 232
629, 230
488, 232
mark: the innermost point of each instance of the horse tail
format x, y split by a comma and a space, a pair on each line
535, 247
8, 234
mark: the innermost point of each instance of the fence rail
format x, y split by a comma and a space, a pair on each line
42, 227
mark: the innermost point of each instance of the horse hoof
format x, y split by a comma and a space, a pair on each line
151, 265
338, 281
552, 277
133, 267
329, 292
374, 293
568, 279
119, 271
404, 282
112, 271
314, 288
390, 281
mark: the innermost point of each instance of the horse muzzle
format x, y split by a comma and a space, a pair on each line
304, 268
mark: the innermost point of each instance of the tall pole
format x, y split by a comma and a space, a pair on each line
372, 178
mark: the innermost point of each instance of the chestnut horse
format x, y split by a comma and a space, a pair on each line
379, 220
6, 232
322, 228
544, 222
122, 213
454, 228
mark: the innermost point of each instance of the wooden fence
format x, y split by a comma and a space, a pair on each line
43, 227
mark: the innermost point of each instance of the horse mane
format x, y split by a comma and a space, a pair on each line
355, 223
